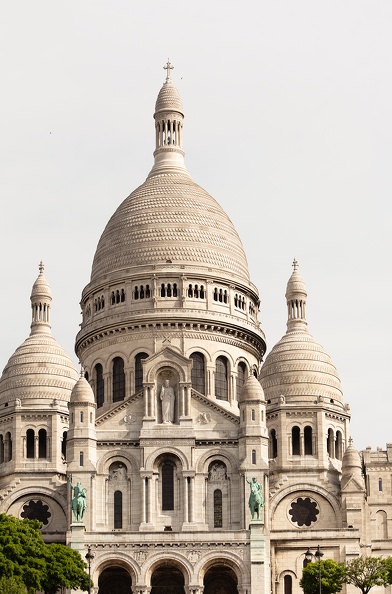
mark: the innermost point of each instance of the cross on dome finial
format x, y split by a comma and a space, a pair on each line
168, 67
295, 265
41, 267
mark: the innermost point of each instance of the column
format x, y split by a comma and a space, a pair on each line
186, 500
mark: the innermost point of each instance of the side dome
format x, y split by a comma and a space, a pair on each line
40, 368
252, 390
169, 219
82, 391
297, 367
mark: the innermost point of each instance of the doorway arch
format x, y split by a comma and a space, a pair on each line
167, 578
115, 580
220, 579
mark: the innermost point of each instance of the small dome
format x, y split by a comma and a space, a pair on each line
41, 289
168, 99
298, 367
39, 369
252, 390
352, 466
82, 391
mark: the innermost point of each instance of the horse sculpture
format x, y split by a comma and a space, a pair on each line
78, 503
256, 500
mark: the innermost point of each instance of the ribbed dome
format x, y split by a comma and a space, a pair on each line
298, 366
168, 99
170, 218
39, 369
82, 391
252, 390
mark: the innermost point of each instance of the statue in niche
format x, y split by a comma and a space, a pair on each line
217, 472
167, 400
118, 472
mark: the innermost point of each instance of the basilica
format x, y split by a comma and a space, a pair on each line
183, 457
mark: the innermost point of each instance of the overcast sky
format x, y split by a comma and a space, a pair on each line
287, 124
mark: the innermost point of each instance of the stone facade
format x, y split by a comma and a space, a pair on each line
174, 412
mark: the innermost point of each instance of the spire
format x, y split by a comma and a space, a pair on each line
169, 117
40, 298
296, 301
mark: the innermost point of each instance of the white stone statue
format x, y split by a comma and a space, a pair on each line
167, 399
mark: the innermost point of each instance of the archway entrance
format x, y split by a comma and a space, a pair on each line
115, 580
220, 579
167, 579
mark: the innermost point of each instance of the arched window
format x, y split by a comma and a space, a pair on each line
273, 444
198, 373
308, 441
118, 510
99, 385
330, 444
8, 447
167, 486
1, 449
287, 584
254, 461
64, 445
81, 459
139, 371
218, 516
339, 445
221, 379
30, 439
241, 377
381, 525
118, 380
42, 443
295, 441
380, 484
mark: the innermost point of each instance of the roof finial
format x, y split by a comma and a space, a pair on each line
168, 67
295, 265
41, 267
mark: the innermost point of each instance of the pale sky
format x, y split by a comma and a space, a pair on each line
287, 124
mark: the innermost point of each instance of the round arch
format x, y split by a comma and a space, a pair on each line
117, 572
150, 463
153, 372
229, 460
117, 456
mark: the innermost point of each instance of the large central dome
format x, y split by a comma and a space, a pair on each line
169, 218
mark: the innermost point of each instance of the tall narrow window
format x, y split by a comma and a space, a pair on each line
139, 371
118, 380
380, 484
254, 457
42, 443
30, 439
198, 373
273, 444
308, 439
295, 441
288, 584
1, 449
241, 378
339, 445
118, 510
167, 487
99, 385
81, 459
8, 447
221, 379
218, 516
64, 445
330, 444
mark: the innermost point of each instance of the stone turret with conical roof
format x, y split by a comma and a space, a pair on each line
306, 416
